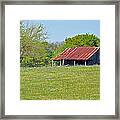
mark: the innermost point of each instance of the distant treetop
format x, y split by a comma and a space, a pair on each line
82, 40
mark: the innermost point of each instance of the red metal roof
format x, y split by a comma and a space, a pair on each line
78, 53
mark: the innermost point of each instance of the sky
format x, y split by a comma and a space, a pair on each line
58, 30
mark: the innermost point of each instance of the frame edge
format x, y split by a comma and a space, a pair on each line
2, 62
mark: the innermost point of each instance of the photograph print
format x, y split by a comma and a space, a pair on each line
59, 60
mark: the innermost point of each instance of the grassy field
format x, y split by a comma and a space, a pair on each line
60, 83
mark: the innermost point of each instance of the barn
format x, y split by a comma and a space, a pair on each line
78, 56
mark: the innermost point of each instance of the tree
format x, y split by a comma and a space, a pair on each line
82, 40
33, 45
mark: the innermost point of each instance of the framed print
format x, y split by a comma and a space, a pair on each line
59, 59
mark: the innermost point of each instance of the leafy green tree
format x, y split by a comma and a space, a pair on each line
33, 45
82, 40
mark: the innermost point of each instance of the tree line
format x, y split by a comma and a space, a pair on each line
35, 51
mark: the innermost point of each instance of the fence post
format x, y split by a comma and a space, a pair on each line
52, 63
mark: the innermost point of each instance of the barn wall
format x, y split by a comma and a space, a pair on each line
80, 62
69, 62
95, 59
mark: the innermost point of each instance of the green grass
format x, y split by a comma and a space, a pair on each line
60, 83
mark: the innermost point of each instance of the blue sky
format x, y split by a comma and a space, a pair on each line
58, 30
